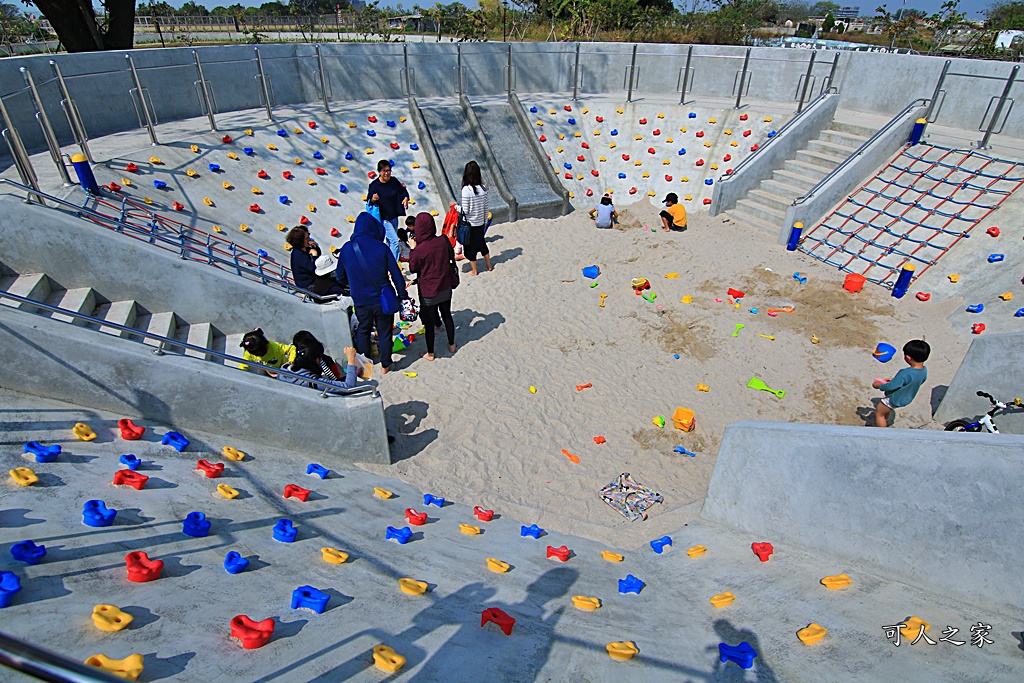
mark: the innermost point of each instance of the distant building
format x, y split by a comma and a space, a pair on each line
847, 13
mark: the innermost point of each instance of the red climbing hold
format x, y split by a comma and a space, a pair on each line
335, 233
371, 175
114, 187
255, 208
178, 206
371, 119
129, 430
296, 491
700, 162
321, 171
567, 108
727, 157
415, 518
497, 616
650, 150
252, 634
625, 157
632, 190
287, 175
561, 554
993, 231
643, 122
762, 550
141, 568
331, 201
594, 172
599, 440
303, 221
746, 133
568, 176
226, 139
394, 145
599, 119
590, 193
728, 171
584, 145
668, 178
707, 201
132, 167
700, 133
977, 328
128, 478
483, 515
211, 470
311, 124
754, 147
923, 296
543, 138
263, 175
657, 131
581, 158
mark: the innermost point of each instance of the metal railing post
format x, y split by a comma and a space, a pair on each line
807, 81
458, 69
938, 88
323, 78
71, 111
44, 122
999, 107
142, 100
632, 70
408, 77
576, 75
207, 102
686, 74
263, 84
832, 72
18, 153
743, 79
509, 67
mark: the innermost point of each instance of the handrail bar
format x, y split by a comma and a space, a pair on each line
831, 90
919, 102
47, 665
181, 244
166, 341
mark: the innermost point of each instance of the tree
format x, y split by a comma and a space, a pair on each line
80, 30
273, 9
1005, 16
829, 23
192, 9
897, 29
820, 9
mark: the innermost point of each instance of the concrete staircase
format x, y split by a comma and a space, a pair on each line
765, 207
128, 313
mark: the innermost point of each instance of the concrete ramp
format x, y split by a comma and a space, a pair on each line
935, 509
456, 144
992, 365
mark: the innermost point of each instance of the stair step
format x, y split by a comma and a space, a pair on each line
848, 140
232, 348
852, 128
765, 198
792, 179
821, 159
79, 300
119, 312
812, 172
741, 216
830, 149
165, 324
199, 334
784, 189
768, 214
31, 286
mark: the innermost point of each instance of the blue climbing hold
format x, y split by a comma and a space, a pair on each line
400, 536
414, 147
283, 133
318, 470
307, 597
421, 185
348, 156
976, 308
658, 545
263, 253
676, 356
213, 167
622, 176
318, 155
342, 188
234, 563
28, 552
682, 151
159, 184
615, 131
742, 655
175, 441
42, 453
533, 110
630, 584
996, 258
532, 530
692, 115
285, 531
372, 133
391, 124
568, 167
436, 501
247, 151
572, 122
709, 181
9, 585
772, 133
754, 311
392, 162
682, 451
95, 513
283, 199
131, 461
1019, 313
195, 525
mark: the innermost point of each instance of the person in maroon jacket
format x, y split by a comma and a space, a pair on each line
432, 261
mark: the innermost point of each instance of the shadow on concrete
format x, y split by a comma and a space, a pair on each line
174, 567
158, 668
141, 616
731, 635
15, 518
288, 629
42, 588
938, 393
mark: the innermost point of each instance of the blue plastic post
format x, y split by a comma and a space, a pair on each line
903, 282
85, 176
794, 236
918, 132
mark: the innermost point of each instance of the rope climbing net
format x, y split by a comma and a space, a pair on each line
913, 211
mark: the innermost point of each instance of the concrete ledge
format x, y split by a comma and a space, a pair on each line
992, 365
926, 507
770, 158
537, 151
44, 357
877, 152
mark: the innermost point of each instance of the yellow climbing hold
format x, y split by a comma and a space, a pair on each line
382, 493
722, 599
415, 165
298, 161
217, 229
310, 181
955, 277
734, 144
190, 173
610, 556
602, 159
496, 565
402, 119
712, 120
369, 151
597, 132
559, 150
639, 137
412, 586
387, 659
147, 200
811, 634
650, 193
728, 131
685, 179
325, 140
669, 140
714, 167
622, 651
585, 603
282, 227
298, 131
645, 173
553, 112
126, 182
914, 626
707, 144
248, 131
665, 162
579, 177
232, 155
351, 124
539, 122
696, 551
767, 119
155, 160
83, 431
110, 618
638, 163
469, 529
671, 276
584, 110
227, 491
257, 190
272, 147
660, 115
23, 476
688, 198
287, 247
612, 146
207, 201
619, 110
226, 185
682, 129
232, 453
244, 228
836, 581
128, 668
351, 219
1006, 296
344, 169
433, 212
333, 556
561, 136
572, 195
195, 148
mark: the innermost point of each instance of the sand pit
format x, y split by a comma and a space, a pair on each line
471, 429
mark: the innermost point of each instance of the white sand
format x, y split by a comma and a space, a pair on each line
472, 431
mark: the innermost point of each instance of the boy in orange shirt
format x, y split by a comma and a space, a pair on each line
674, 215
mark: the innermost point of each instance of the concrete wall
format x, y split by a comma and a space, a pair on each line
853, 175
45, 357
732, 188
992, 365
926, 507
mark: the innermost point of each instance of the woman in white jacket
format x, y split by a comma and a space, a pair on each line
474, 212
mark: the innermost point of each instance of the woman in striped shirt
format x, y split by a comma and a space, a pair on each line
474, 212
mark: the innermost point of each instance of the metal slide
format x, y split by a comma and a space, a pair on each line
456, 144
521, 169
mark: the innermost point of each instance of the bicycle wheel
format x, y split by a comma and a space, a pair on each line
961, 426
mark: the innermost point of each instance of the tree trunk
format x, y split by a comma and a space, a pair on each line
120, 33
74, 21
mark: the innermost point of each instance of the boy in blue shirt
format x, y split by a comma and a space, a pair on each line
901, 389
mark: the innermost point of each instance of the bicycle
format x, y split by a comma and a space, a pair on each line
984, 423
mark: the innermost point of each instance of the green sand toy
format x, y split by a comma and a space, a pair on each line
755, 383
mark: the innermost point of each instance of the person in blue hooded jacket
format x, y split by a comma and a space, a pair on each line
365, 264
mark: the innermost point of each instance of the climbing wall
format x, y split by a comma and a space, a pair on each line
913, 211
636, 150
248, 184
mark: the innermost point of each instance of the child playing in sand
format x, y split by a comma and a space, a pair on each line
674, 215
901, 389
604, 215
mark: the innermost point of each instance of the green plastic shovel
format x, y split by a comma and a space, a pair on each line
755, 383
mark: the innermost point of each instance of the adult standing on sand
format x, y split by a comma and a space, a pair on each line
433, 260
392, 199
474, 212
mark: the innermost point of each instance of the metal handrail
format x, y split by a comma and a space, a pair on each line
919, 102
47, 665
183, 244
166, 341
831, 90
